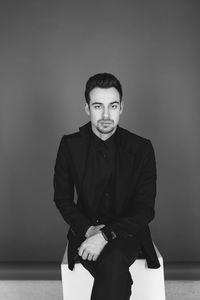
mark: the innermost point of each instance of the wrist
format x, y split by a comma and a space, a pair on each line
103, 236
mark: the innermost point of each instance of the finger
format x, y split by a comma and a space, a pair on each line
90, 256
80, 251
85, 254
94, 232
100, 226
94, 257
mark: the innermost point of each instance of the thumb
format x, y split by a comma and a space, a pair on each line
100, 226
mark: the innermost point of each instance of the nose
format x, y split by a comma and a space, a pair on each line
106, 113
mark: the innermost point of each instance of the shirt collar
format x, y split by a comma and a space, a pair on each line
108, 143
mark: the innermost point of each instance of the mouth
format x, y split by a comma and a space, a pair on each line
106, 122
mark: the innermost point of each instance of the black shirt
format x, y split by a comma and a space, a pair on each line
103, 156
100, 173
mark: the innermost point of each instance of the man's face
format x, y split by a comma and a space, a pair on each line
104, 110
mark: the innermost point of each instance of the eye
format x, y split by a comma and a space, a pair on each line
114, 106
97, 106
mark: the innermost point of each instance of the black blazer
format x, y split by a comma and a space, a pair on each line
135, 189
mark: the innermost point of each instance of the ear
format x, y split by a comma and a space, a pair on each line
87, 109
121, 106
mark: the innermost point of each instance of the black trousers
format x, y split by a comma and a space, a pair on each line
112, 279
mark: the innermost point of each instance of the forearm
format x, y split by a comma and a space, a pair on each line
78, 222
131, 225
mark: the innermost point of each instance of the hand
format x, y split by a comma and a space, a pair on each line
93, 230
92, 246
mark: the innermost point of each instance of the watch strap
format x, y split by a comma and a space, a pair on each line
108, 234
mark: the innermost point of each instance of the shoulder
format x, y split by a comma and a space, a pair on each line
139, 146
70, 136
135, 140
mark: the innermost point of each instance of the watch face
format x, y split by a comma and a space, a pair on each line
108, 235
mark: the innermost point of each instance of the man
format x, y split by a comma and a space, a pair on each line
114, 173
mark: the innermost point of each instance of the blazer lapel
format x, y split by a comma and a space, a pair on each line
123, 170
79, 148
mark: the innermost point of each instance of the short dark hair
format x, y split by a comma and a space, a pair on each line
102, 80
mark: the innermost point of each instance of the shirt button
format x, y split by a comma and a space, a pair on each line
106, 194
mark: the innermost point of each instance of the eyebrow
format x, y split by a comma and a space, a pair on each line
102, 103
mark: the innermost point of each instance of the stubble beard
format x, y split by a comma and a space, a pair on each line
105, 129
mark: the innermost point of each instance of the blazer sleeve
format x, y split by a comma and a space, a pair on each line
64, 192
142, 205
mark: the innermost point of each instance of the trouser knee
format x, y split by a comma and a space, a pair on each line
113, 264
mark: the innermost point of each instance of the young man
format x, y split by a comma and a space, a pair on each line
114, 173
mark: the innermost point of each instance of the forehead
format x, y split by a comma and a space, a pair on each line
104, 95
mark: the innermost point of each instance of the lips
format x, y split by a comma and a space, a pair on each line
106, 122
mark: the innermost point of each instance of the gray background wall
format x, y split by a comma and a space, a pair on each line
48, 50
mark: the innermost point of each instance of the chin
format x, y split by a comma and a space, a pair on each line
105, 130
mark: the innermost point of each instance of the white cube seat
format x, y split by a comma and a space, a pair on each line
148, 284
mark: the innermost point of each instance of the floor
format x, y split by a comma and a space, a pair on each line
52, 290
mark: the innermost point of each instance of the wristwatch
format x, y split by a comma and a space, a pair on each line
108, 234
